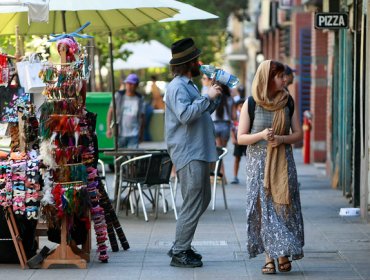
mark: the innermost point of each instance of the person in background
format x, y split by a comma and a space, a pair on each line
148, 109
238, 93
191, 144
206, 83
239, 150
129, 114
289, 76
222, 119
157, 99
274, 217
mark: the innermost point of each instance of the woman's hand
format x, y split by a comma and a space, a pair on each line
278, 140
267, 134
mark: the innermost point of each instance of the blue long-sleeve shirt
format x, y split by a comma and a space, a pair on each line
189, 128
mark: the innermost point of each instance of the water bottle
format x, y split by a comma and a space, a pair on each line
220, 75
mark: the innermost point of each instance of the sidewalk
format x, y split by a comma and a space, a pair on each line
336, 247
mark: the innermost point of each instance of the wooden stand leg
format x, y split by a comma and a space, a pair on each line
64, 254
17, 240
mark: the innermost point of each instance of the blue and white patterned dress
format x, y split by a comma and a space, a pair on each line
276, 230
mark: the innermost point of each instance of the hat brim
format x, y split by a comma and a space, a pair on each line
130, 82
187, 58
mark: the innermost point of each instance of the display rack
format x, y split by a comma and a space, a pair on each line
67, 252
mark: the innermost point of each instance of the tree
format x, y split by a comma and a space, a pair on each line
210, 35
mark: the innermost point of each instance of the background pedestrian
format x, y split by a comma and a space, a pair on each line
129, 114
239, 150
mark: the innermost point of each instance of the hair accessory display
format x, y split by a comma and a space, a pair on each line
46, 154
70, 190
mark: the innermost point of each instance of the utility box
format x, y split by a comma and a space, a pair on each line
98, 102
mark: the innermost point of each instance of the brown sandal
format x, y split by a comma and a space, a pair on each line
269, 268
285, 266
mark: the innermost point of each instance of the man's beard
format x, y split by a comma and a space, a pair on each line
195, 72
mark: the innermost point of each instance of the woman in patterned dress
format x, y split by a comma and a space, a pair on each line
274, 218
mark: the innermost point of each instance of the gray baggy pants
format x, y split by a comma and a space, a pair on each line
196, 193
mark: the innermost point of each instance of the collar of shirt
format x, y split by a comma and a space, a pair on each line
188, 81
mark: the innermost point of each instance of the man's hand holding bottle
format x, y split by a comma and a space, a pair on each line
213, 91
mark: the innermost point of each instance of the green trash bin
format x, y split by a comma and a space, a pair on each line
98, 102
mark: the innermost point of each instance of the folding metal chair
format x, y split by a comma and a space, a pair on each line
218, 176
159, 175
133, 173
145, 172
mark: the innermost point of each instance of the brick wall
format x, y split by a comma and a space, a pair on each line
319, 92
299, 20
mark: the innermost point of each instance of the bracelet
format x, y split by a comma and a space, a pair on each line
283, 140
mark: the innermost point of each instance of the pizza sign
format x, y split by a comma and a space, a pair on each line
331, 20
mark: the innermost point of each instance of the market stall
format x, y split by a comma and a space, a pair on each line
50, 170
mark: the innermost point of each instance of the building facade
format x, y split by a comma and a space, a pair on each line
331, 80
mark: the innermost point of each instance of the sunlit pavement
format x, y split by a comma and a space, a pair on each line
336, 247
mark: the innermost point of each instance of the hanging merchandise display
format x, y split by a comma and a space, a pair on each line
70, 178
49, 169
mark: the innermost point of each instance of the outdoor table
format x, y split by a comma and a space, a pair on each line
121, 155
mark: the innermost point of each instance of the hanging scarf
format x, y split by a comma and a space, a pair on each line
276, 167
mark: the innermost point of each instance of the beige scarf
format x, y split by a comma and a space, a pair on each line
276, 167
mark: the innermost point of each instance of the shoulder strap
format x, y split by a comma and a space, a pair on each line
251, 108
290, 105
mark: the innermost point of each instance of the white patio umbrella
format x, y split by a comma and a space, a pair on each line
188, 12
143, 55
135, 63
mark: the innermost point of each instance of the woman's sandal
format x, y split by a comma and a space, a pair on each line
269, 268
285, 266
